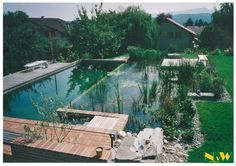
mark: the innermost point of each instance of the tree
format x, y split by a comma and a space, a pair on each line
139, 28
200, 23
219, 33
94, 35
189, 22
161, 17
107, 34
22, 41
196, 22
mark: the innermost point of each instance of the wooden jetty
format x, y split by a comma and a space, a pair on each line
21, 78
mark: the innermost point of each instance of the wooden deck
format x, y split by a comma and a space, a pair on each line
113, 121
19, 79
103, 122
80, 142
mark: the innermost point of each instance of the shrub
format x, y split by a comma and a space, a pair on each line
217, 87
170, 132
185, 73
151, 54
186, 107
169, 106
188, 136
72, 56
86, 56
186, 121
135, 53
182, 92
153, 91
217, 52
204, 81
163, 54
60, 58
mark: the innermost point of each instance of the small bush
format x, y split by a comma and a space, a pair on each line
204, 81
188, 136
163, 54
171, 132
151, 55
60, 58
72, 56
153, 91
137, 54
217, 87
185, 73
86, 56
217, 52
186, 121
182, 92
186, 107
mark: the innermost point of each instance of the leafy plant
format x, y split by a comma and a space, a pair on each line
50, 127
153, 90
217, 86
188, 135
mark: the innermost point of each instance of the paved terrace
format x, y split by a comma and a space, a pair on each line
19, 79
78, 146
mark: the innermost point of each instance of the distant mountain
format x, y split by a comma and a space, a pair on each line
182, 18
194, 11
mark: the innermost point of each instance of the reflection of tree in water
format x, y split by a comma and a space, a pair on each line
84, 77
31, 88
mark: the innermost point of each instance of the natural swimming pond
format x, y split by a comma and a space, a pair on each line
64, 86
128, 90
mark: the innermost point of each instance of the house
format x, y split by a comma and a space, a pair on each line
197, 29
175, 37
52, 27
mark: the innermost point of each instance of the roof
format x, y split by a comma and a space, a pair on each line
198, 30
181, 26
52, 23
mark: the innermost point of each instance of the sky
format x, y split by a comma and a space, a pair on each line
68, 11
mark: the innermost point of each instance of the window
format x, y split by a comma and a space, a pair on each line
170, 35
177, 35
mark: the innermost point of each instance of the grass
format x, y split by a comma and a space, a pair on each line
216, 117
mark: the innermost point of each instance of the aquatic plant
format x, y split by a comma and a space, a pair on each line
153, 90
118, 96
100, 92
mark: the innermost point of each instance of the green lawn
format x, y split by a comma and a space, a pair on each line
216, 118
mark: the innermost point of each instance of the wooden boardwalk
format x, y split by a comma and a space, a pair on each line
80, 144
19, 79
119, 120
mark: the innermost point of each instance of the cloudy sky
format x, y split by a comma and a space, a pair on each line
68, 11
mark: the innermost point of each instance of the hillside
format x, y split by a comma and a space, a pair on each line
182, 18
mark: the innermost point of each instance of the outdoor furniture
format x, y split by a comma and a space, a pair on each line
33, 65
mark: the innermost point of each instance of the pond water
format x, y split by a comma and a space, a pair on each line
64, 86
126, 91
